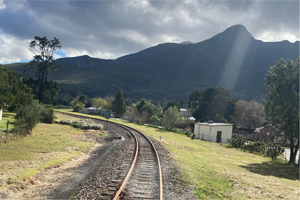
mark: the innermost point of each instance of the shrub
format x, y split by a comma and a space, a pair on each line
78, 106
237, 142
47, 115
27, 117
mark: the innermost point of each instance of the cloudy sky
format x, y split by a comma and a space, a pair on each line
113, 28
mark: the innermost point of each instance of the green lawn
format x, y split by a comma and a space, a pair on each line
7, 116
216, 172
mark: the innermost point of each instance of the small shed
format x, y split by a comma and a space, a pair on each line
214, 132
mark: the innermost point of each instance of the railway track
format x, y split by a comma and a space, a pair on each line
138, 172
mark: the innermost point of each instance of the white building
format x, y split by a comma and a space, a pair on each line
214, 132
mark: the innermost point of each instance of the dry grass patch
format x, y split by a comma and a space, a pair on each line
49, 145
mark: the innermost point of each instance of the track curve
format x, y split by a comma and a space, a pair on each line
143, 177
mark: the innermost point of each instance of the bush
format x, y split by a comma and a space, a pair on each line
47, 115
78, 106
27, 117
237, 142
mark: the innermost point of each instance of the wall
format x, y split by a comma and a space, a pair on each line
226, 133
206, 132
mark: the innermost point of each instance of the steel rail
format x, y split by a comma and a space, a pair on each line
117, 196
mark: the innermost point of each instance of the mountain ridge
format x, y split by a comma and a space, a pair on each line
233, 59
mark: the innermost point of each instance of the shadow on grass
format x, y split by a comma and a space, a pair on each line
7, 115
274, 168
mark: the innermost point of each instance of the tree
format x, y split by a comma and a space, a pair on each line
214, 105
118, 105
195, 98
43, 65
99, 103
282, 101
154, 119
172, 104
249, 115
171, 118
12, 90
83, 98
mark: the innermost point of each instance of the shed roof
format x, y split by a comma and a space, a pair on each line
215, 124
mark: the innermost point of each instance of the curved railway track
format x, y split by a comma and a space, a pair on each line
139, 174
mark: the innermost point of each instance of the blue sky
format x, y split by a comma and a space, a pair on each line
110, 29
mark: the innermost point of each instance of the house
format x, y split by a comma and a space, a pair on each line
184, 112
269, 133
214, 132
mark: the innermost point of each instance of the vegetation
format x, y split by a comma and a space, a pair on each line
49, 145
249, 115
215, 104
99, 103
282, 101
171, 118
43, 65
13, 91
118, 105
27, 117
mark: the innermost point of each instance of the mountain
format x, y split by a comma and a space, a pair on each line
233, 59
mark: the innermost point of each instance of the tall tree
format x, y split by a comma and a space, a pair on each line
249, 115
118, 105
282, 101
43, 64
12, 90
214, 105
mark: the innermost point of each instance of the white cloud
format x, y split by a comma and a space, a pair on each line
2, 5
110, 29
13, 49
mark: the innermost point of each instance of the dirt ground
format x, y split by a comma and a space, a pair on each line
58, 182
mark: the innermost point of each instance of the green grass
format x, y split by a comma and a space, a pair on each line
216, 172
7, 116
49, 145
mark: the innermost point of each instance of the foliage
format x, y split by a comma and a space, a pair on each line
249, 115
43, 64
47, 115
64, 99
12, 90
109, 100
118, 105
132, 112
171, 118
84, 124
83, 98
99, 103
154, 119
27, 117
237, 142
215, 105
50, 89
78, 106
195, 98
172, 103
282, 100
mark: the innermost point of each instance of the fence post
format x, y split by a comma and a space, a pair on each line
7, 129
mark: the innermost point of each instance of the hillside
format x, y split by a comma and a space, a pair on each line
233, 59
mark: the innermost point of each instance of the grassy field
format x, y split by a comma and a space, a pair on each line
7, 116
48, 145
216, 172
